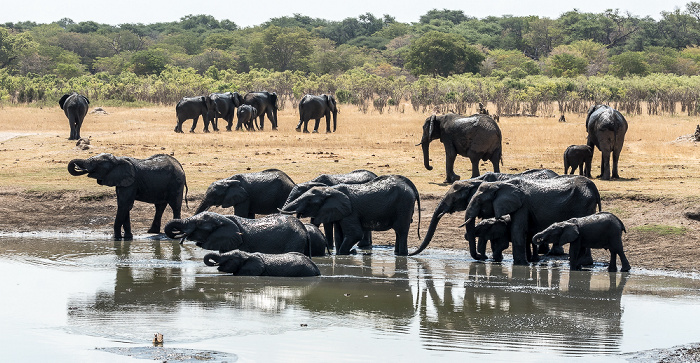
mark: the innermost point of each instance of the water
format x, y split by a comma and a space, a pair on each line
72, 297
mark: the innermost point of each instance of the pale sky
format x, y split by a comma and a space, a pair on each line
116, 12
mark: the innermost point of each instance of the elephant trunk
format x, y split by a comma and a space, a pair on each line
439, 212
425, 143
481, 246
212, 259
335, 119
177, 228
76, 167
470, 236
206, 203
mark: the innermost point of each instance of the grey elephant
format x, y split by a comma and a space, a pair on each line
225, 107
240, 263
249, 194
384, 203
495, 230
460, 193
191, 108
533, 204
246, 117
578, 157
312, 107
476, 137
159, 180
606, 130
75, 106
316, 237
266, 104
600, 230
276, 233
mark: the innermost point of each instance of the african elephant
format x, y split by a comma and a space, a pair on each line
600, 230
578, 157
75, 106
225, 107
191, 108
533, 205
476, 137
249, 194
315, 107
276, 233
246, 117
606, 130
266, 104
158, 179
240, 263
316, 238
381, 204
496, 230
460, 193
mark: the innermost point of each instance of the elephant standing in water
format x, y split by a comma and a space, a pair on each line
158, 179
225, 107
315, 107
240, 263
476, 137
191, 108
266, 104
75, 106
606, 130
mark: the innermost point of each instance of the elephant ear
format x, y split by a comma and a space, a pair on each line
224, 238
508, 199
252, 265
63, 100
335, 207
86, 99
235, 194
431, 127
122, 174
273, 98
569, 234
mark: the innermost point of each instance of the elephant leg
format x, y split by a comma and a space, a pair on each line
337, 236
328, 231
273, 119
450, 156
352, 233
366, 241
262, 121
401, 244
298, 128
495, 163
328, 123
194, 123
475, 167
155, 225
605, 165
615, 157
318, 121
623, 260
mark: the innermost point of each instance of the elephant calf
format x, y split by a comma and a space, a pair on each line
496, 230
240, 263
578, 157
600, 230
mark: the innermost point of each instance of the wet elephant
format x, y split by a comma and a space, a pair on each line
240, 263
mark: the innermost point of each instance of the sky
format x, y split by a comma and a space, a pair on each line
116, 12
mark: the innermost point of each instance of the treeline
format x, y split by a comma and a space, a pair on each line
447, 60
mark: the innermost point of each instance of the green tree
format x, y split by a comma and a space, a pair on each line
12, 46
566, 64
629, 63
507, 61
453, 16
437, 53
150, 61
282, 49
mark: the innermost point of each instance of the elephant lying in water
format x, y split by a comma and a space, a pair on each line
240, 263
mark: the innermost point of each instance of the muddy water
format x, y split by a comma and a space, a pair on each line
85, 297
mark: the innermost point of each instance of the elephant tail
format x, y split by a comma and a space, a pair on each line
186, 191
415, 191
212, 259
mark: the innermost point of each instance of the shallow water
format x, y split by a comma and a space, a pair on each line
72, 297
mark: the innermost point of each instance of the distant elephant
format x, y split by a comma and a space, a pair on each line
191, 108
158, 179
225, 107
240, 263
533, 204
277, 233
600, 230
246, 117
578, 157
496, 230
249, 194
315, 107
75, 106
476, 137
606, 131
266, 104
460, 193
387, 202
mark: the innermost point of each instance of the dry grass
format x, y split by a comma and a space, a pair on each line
654, 162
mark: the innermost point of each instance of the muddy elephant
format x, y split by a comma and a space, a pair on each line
312, 107
533, 204
249, 194
495, 230
600, 230
266, 104
606, 130
578, 157
476, 137
387, 202
75, 106
159, 180
191, 108
460, 193
225, 107
276, 233
246, 117
240, 263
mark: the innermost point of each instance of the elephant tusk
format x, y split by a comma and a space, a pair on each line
291, 213
419, 144
466, 222
183, 239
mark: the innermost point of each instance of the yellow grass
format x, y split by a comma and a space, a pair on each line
653, 162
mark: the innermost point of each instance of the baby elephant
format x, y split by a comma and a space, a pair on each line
600, 230
496, 230
291, 264
247, 115
578, 156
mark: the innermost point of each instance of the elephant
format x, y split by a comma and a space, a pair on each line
266, 104
277, 233
600, 230
240, 263
381, 204
225, 107
249, 194
193, 107
75, 106
578, 157
533, 204
158, 179
496, 230
460, 193
606, 130
246, 117
316, 238
476, 137
354, 177
315, 107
